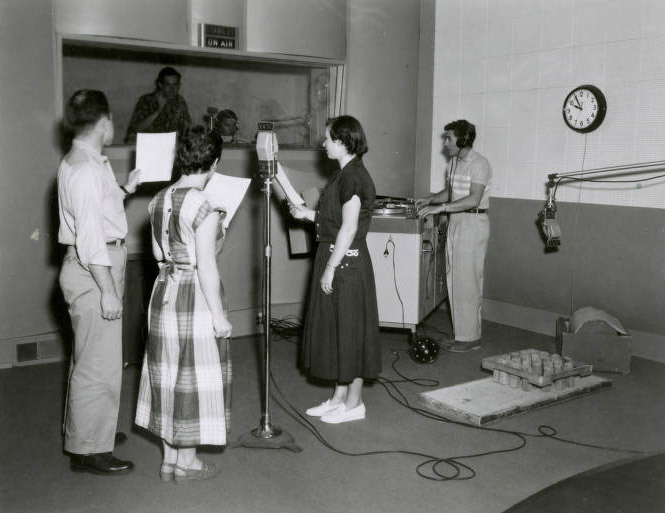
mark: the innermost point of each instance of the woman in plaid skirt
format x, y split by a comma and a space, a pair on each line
183, 396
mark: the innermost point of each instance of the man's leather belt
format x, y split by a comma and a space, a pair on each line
477, 211
116, 242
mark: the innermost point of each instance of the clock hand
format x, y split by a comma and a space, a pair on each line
579, 106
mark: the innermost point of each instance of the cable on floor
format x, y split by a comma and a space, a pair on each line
288, 327
434, 467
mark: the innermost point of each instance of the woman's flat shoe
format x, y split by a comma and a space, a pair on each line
166, 472
343, 414
323, 408
208, 471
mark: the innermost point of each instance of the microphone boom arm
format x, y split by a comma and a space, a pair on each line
547, 216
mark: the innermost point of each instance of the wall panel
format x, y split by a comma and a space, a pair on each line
151, 20
298, 27
28, 164
553, 49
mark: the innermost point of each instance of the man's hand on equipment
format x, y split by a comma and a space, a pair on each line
430, 209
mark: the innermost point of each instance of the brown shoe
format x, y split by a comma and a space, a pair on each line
102, 463
209, 470
445, 343
463, 347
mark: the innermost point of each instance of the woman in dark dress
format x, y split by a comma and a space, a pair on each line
341, 335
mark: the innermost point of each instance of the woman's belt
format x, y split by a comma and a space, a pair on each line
349, 252
172, 272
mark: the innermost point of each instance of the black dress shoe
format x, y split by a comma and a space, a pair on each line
103, 463
120, 438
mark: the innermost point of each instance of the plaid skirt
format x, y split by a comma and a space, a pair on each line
185, 388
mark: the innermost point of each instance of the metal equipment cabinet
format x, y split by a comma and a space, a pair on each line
408, 257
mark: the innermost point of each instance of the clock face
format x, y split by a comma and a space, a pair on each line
584, 108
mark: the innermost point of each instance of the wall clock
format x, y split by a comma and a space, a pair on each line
584, 108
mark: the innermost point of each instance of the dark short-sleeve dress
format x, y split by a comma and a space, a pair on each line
341, 334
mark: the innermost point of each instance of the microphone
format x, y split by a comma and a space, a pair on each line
266, 149
549, 226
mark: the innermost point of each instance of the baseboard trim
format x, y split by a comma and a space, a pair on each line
645, 345
51, 348
245, 322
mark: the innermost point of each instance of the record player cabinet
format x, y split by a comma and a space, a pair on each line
408, 257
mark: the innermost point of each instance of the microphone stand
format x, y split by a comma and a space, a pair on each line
267, 435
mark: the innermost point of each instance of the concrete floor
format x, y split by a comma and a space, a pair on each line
35, 475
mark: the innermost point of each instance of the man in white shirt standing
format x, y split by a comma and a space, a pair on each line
465, 197
93, 226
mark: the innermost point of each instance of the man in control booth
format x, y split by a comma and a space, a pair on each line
226, 125
163, 110
465, 197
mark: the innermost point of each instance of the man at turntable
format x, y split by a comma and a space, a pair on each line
465, 197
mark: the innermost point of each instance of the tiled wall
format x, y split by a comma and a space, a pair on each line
507, 65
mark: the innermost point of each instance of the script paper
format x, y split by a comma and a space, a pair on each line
226, 192
154, 156
286, 186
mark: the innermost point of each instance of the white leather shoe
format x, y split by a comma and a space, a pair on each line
323, 408
342, 414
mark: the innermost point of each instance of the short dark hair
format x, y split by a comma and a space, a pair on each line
85, 108
226, 114
197, 150
168, 71
465, 132
218, 121
350, 133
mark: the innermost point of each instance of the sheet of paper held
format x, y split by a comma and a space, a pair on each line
226, 192
155, 154
285, 184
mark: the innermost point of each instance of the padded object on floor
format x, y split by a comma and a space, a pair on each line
635, 484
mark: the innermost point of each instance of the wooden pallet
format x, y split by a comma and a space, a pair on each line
482, 401
538, 368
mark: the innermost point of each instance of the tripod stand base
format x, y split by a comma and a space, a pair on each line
271, 438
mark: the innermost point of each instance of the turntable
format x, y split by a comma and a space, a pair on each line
394, 207
408, 262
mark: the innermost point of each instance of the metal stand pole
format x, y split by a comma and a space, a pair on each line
267, 435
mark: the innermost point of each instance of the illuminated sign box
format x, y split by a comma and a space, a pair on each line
218, 36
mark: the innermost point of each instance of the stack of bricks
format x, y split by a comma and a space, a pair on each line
535, 365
